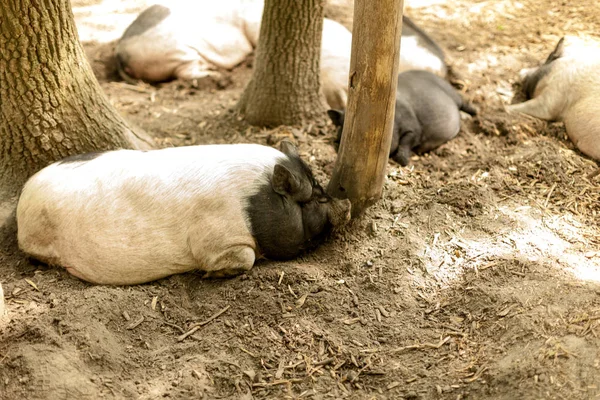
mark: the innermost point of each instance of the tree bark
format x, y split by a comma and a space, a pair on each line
51, 105
285, 84
359, 171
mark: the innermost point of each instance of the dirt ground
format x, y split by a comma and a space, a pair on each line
477, 276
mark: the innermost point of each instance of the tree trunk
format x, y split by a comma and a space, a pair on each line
51, 105
359, 171
285, 84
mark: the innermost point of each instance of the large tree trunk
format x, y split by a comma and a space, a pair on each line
51, 105
285, 84
359, 171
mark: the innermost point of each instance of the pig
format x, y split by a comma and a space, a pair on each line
127, 216
195, 40
567, 88
426, 114
188, 40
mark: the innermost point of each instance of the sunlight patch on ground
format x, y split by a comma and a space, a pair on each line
107, 20
488, 11
541, 238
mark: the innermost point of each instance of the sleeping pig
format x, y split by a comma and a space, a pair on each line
188, 40
196, 39
128, 216
567, 88
426, 115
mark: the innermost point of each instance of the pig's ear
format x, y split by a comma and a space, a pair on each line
284, 182
288, 148
557, 52
336, 116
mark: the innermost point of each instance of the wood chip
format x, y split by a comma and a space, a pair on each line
135, 323
247, 352
301, 300
32, 284
325, 362
505, 312
126, 316
383, 311
422, 346
280, 369
154, 301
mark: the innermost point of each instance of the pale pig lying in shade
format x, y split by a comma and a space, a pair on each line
567, 88
127, 216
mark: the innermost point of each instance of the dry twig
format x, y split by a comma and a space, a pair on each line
199, 325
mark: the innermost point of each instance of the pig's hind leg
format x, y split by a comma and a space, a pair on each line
195, 69
232, 262
542, 107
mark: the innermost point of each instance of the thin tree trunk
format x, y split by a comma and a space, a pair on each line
359, 171
51, 105
285, 84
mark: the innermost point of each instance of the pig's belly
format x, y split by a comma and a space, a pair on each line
109, 251
440, 128
115, 243
155, 58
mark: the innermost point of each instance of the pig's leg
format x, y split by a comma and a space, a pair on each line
408, 140
234, 261
541, 107
195, 70
583, 128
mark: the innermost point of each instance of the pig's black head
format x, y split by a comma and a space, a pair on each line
337, 117
292, 212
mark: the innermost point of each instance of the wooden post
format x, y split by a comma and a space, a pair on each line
364, 150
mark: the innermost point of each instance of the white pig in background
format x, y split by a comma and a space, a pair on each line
567, 88
189, 40
128, 216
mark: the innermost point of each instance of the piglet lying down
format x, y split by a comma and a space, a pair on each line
128, 216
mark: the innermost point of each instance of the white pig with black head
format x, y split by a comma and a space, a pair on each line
128, 216
567, 88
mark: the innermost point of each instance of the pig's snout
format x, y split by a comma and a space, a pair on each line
339, 212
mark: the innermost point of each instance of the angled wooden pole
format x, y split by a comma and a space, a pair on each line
359, 171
